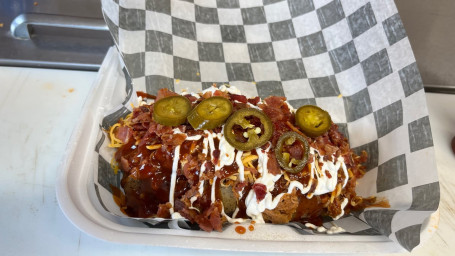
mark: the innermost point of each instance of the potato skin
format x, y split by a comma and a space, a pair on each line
284, 211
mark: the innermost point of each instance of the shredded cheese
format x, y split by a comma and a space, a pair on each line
114, 165
247, 161
115, 143
152, 147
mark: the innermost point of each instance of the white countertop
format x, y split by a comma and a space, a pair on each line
40, 107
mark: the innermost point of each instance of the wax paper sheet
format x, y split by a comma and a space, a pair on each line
352, 58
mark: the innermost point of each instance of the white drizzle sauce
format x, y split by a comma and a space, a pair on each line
335, 230
223, 88
233, 219
235, 212
254, 208
326, 184
227, 152
291, 108
175, 164
253, 106
331, 231
343, 205
238, 161
212, 194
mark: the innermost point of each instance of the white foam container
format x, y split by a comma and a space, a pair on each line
75, 191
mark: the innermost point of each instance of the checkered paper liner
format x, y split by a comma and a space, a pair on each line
352, 58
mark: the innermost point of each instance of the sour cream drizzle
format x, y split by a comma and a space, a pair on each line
212, 194
254, 208
175, 164
227, 152
343, 205
238, 161
332, 230
325, 183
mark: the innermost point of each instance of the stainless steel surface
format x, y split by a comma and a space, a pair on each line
446, 89
430, 26
67, 34
20, 25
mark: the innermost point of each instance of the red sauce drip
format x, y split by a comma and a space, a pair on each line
240, 230
251, 228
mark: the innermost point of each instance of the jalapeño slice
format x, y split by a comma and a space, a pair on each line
313, 120
289, 164
171, 111
251, 136
210, 113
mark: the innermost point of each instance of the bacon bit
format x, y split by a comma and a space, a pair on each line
240, 230
260, 190
296, 150
254, 100
215, 218
251, 227
272, 164
163, 210
207, 95
222, 94
239, 98
295, 129
328, 174
145, 95
190, 97
124, 134
163, 93
173, 139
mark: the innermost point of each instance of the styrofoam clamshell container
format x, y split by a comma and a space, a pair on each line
75, 194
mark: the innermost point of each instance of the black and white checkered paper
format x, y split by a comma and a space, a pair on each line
352, 58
